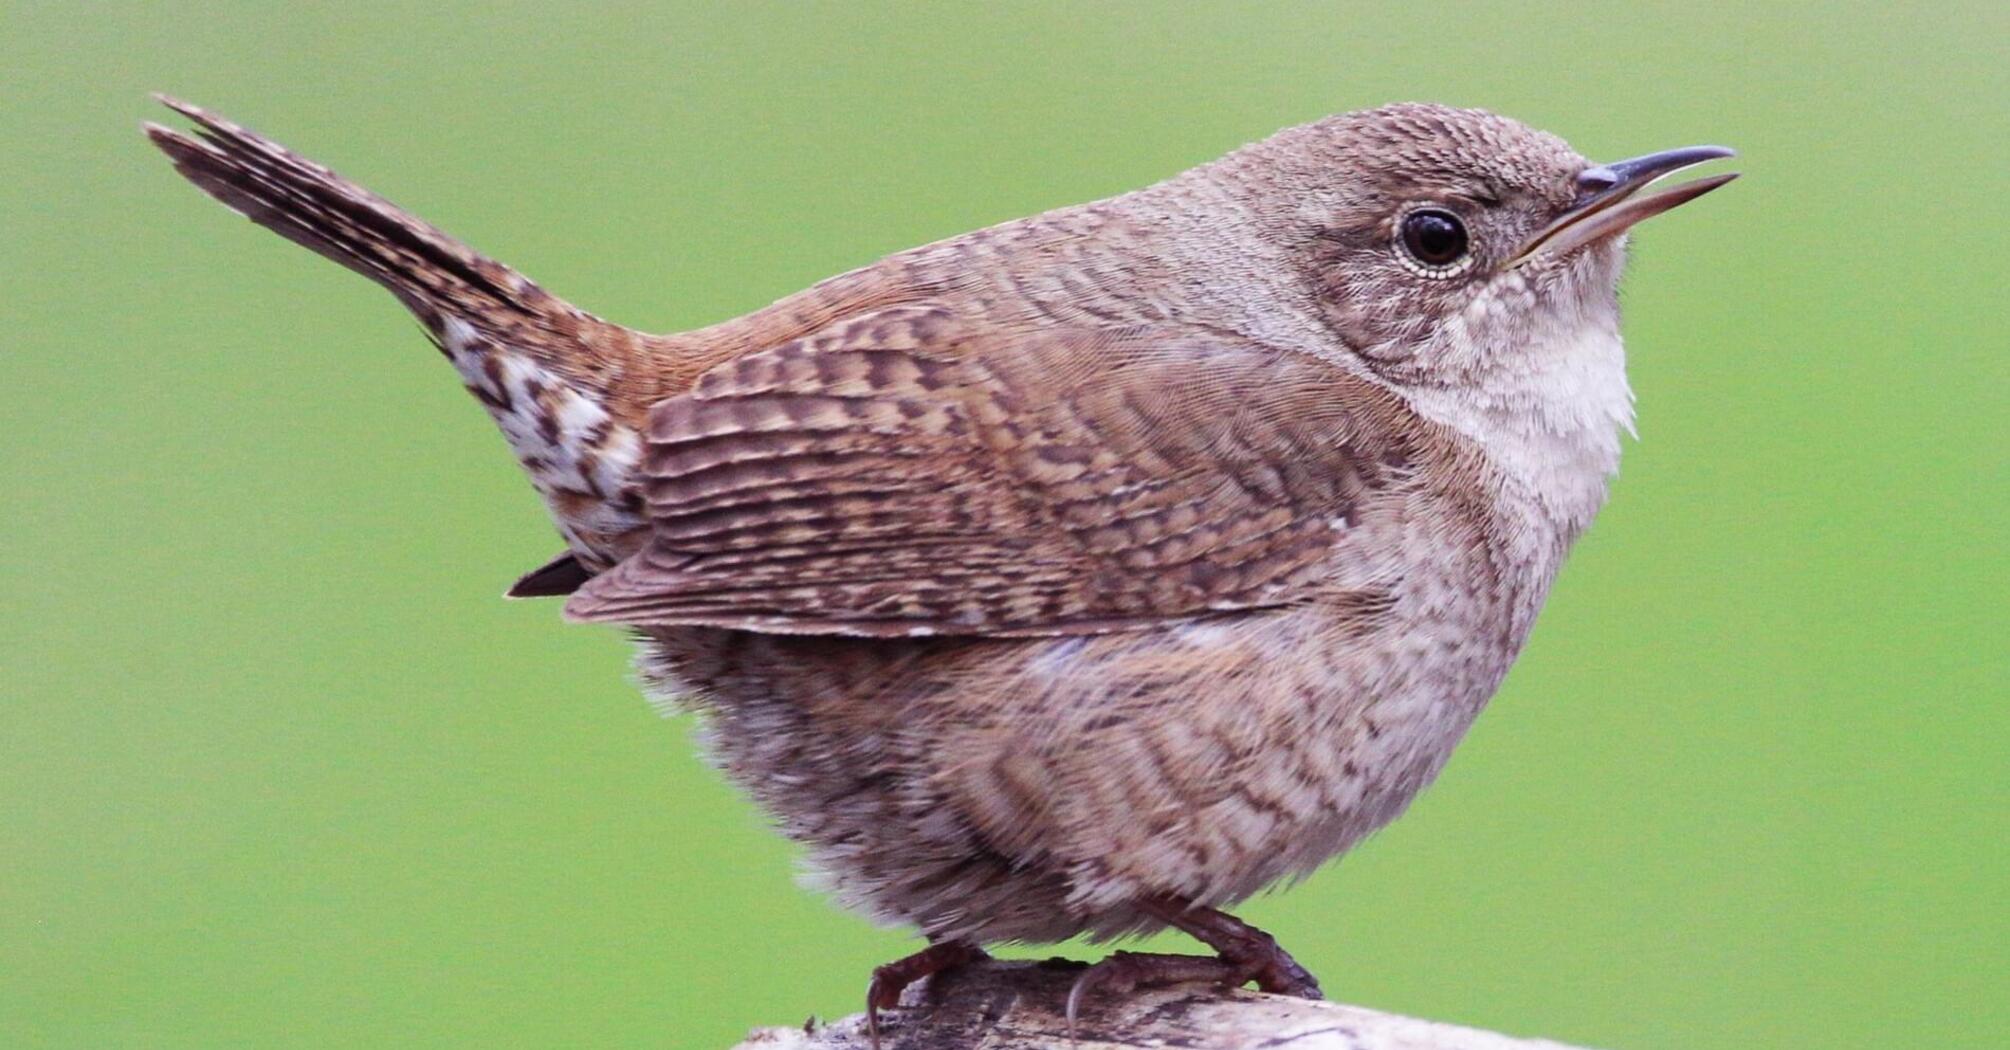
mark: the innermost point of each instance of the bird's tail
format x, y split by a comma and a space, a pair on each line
549, 373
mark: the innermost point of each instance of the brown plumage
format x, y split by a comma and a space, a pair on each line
1092, 571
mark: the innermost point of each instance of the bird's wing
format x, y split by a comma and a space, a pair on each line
907, 474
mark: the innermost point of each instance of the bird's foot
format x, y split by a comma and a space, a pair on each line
890, 980
1258, 953
1270, 966
1124, 972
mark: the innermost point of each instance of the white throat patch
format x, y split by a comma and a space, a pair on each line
1552, 424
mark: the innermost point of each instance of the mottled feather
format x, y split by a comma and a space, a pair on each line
908, 473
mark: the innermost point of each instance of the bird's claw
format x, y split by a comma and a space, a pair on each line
891, 979
1124, 972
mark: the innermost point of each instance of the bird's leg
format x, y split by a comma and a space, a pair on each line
890, 980
1269, 965
1244, 954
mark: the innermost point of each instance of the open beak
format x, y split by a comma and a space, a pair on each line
1609, 199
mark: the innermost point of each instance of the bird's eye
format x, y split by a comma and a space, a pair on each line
1434, 237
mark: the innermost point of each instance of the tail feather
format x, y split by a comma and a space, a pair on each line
551, 375
318, 209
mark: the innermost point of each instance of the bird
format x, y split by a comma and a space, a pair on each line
1091, 572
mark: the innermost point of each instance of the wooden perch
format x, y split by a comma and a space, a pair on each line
1017, 1006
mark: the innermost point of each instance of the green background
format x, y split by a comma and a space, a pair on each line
278, 769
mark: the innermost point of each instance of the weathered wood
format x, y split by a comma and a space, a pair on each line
1004, 1005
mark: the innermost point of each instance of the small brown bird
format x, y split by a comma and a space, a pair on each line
1090, 572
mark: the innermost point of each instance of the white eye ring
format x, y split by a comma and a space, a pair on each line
1424, 230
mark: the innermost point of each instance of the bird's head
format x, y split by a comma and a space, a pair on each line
1471, 263
1441, 243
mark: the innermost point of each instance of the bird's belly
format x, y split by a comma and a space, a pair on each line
1032, 788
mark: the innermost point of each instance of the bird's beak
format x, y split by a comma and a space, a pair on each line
1609, 198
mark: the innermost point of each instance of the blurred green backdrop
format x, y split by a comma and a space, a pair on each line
278, 769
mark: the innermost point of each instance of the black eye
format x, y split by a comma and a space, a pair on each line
1434, 237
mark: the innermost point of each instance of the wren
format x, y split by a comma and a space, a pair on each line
1090, 572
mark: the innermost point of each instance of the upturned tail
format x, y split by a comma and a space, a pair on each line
550, 374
